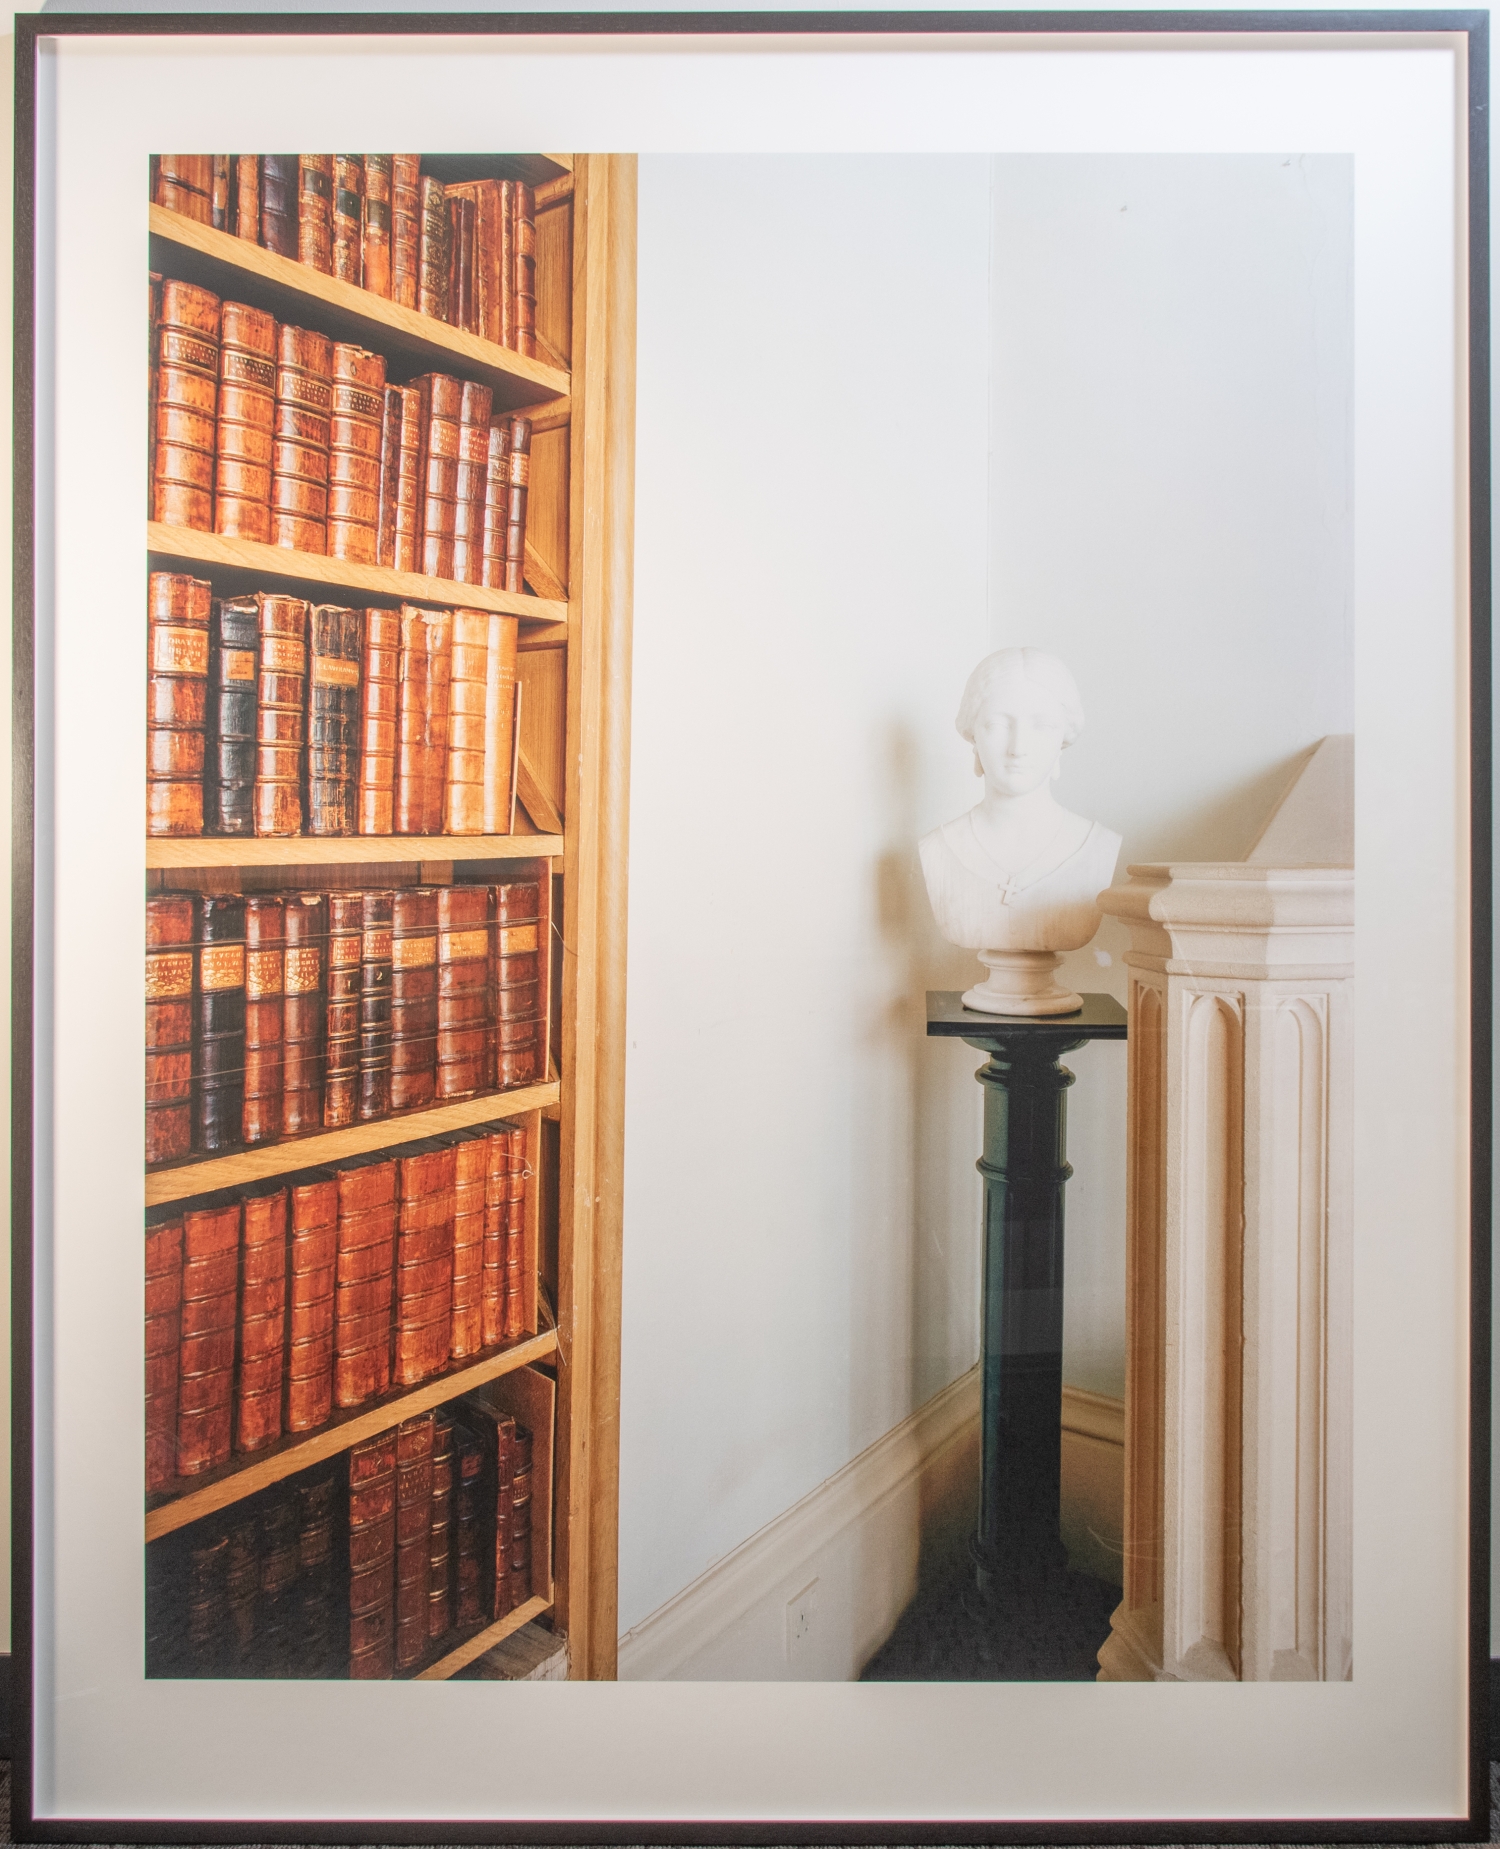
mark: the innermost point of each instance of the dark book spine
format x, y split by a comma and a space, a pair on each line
496, 504
163, 1342
247, 197
508, 264
177, 614
461, 305
219, 1037
432, 258
262, 1324
299, 455
265, 943
311, 1265
315, 1578
219, 216
515, 509
522, 1584
229, 772
372, 1558
422, 742
185, 183
281, 722
354, 472
406, 227
471, 481
464, 936
440, 1531
315, 211
375, 1007
424, 1265
306, 923
341, 1069
525, 247
278, 203
348, 217
413, 998
247, 407
376, 228
414, 1473
332, 719
497, 1435
365, 1281
390, 475
378, 712
467, 1526
470, 1172
205, 1381
187, 390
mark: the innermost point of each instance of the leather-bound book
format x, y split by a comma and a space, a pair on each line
304, 1014
315, 211
177, 614
278, 203
207, 1600
407, 510
471, 1153
463, 990
219, 1023
515, 507
375, 255
262, 1322
507, 283
521, 1584
366, 1280
265, 943
247, 412
437, 471
497, 1184
247, 197
354, 454
522, 984
311, 1264
390, 476
375, 1006
489, 199
299, 455
496, 1432
406, 227
422, 735
471, 482
163, 1341
229, 769
315, 1576
348, 217
468, 1535
205, 1381
153, 296
379, 713
219, 195
278, 1638
440, 1530
414, 1447
461, 303
518, 1178
187, 393
413, 998
424, 1262
432, 254
242, 1588
496, 505
481, 724
281, 718
341, 1044
500, 717
372, 1558
525, 236
184, 183
333, 719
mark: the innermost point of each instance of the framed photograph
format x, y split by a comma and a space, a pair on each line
564, 1257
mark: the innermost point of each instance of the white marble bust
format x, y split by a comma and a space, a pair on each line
1018, 877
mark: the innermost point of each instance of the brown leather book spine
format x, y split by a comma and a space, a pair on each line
365, 1283
169, 1027
422, 730
281, 718
219, 1026
348, 217
440, 1531
464, 934
378, 720
488, 250
153, 294
341, 1068
496, 504
390, 475
315, 211
525, 236
315, 1579
414, 1475
522, 984
187, 388
247, 411
492, 1285
468, 1526
262, 1332
311, 1264
516, 1188
437, 472
247, 197
413, 998
522, 1584
500, 723
515, 510
185, 183
375, 1006
470, 1169
354, 472
333, 719
471, 483
432, 256
265, 947
408, 511
304, 1016
299, 455
463, 795
496, 1431
406, 227
461, 262
219, 193
242, 1587
229, 769
278, 203
163, 1342
205, 1380
508, 264
372, 1558
177, 613
375, 254
424, 1264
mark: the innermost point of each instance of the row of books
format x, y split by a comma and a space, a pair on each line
464, 253
267, 715
270, 1306
280, 1015
261, 430
363, 1570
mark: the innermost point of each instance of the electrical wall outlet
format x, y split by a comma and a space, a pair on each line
801, 1622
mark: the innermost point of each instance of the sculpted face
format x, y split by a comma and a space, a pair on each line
1018, 736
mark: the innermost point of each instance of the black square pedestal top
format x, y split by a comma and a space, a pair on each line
1100, 1018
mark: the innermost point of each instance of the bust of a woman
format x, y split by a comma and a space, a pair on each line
1018, 877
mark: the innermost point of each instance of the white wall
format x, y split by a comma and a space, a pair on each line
893, 413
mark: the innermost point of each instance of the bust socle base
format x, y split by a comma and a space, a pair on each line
1021, 982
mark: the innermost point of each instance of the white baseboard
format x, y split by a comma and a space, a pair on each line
814, 1594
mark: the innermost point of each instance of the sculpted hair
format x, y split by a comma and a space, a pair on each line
1047, 677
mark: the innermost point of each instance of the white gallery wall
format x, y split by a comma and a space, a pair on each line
893, 413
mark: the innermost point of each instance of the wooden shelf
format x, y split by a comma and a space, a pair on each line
244, 1476
306, 573
296, 292
185, 851
460, 1656
260, 1164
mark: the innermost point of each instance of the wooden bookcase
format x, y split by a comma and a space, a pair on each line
572, 815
